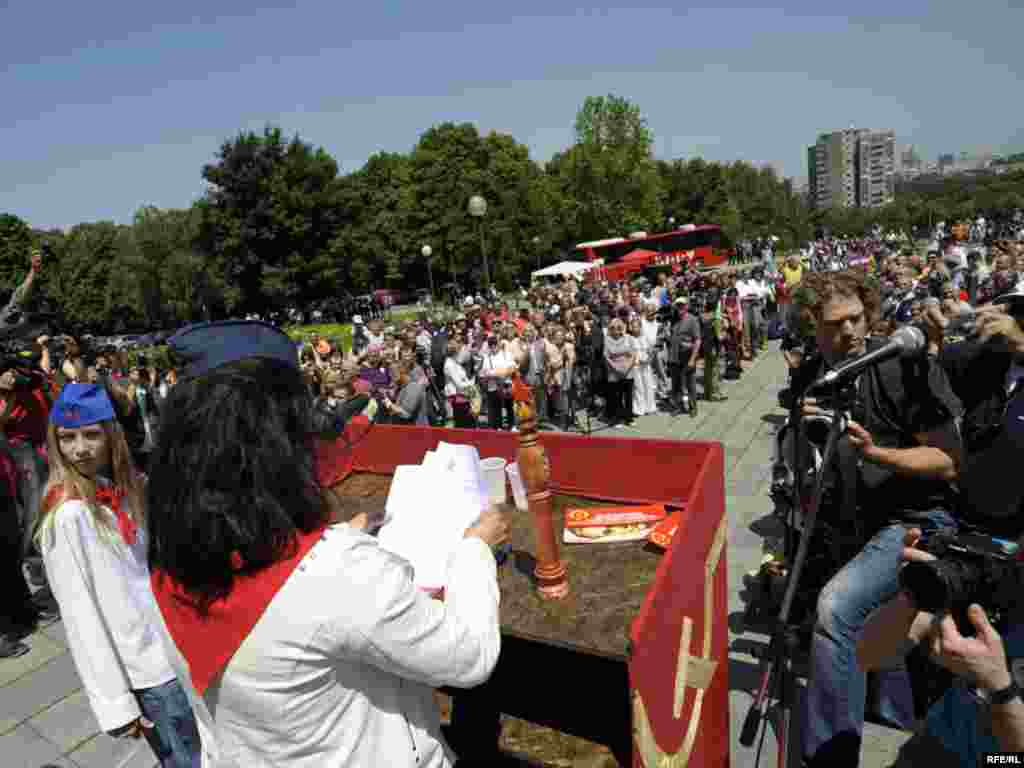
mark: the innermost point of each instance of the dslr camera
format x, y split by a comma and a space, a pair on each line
971, 568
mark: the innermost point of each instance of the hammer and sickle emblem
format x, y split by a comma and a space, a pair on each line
691, 672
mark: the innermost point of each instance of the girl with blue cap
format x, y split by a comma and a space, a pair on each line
94, 548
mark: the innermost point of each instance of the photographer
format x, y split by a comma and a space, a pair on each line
896, 465
964, 723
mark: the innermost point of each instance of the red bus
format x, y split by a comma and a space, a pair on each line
699, 246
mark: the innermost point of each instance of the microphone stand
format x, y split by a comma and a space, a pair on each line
777, 664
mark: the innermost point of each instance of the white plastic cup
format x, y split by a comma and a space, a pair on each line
493, 470
518, 489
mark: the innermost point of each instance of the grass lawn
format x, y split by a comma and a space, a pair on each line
343, 331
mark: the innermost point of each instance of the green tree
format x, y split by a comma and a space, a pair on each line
610, 173
271, 205
450, 164
377, 243
447, 169
16, 241
161, 267
90, 255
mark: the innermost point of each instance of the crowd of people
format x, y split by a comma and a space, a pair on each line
175, 523
610, 351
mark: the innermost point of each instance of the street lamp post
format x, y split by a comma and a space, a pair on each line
478, 209
426, 250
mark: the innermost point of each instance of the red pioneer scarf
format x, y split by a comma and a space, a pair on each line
108, 496
111, 497
208, 642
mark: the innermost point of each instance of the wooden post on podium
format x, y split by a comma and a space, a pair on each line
549, 571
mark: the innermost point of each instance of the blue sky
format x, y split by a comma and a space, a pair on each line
111, 106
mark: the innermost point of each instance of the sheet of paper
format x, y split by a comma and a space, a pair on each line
429, 508
465, 464
407, 485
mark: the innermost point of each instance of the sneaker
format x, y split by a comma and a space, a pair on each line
45, 605
12, 649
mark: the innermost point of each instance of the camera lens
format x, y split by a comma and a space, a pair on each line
939, 586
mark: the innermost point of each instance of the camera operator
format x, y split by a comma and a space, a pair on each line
896, 465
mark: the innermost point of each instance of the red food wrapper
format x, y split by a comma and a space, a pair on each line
611, 516
665, 531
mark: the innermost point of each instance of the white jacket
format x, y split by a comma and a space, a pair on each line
106, 604
339, 670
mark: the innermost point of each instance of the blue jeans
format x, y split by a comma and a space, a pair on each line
836, 687
174, 736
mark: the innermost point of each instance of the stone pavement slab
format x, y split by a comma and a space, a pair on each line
24, 748
69, 723
103, 751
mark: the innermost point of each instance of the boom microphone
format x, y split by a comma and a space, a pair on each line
906, 342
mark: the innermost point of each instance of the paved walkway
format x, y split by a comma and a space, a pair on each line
45, 719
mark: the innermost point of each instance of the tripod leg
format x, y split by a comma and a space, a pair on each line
788, 739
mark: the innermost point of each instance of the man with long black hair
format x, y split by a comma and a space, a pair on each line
300, 642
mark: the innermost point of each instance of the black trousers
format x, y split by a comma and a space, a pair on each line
462, 413
619, 409
499, 411
683, 374
16, 607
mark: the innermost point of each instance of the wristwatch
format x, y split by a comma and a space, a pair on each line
1006, 695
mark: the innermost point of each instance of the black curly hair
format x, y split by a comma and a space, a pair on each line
233, 471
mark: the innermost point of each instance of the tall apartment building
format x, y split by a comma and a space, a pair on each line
834, 169
852, 167
910, 160
877, 168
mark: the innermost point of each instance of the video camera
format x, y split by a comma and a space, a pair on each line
971, 568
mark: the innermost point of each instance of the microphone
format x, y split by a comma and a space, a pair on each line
906, 342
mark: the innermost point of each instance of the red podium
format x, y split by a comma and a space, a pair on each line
637, 657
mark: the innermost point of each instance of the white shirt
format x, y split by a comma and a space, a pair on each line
340, 668
107, 606
650, 332
455, 379
494, 361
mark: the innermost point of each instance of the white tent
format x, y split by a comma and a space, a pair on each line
570, 268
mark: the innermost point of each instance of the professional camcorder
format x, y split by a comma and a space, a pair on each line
971, 568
